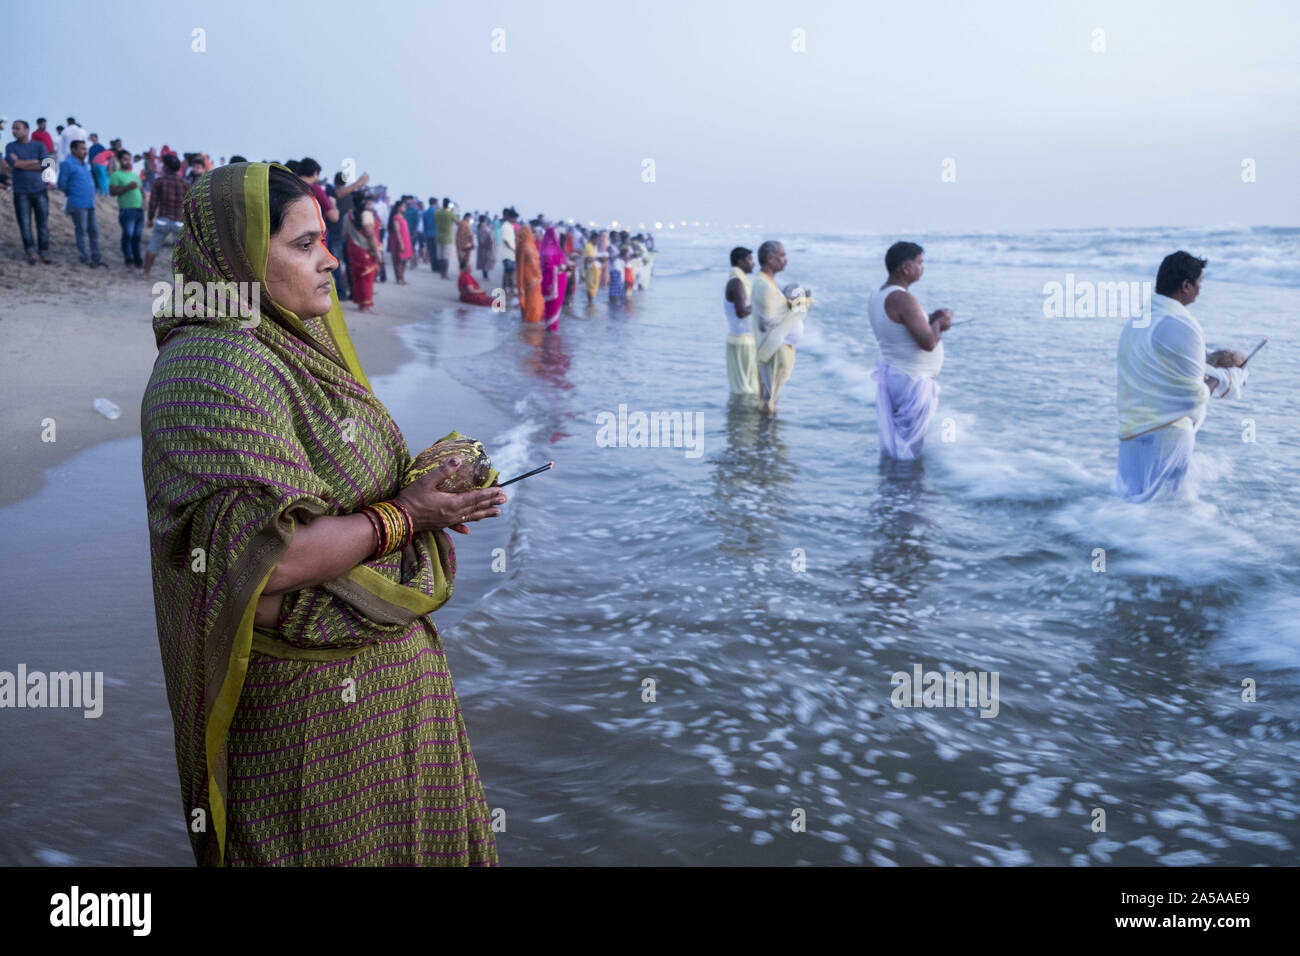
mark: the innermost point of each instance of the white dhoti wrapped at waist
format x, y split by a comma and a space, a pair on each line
905, 404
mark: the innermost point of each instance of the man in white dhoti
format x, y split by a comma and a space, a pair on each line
911, 354
742, 365
1164, 384
779, 319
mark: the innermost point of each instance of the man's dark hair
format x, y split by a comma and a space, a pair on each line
766, 251
123, 154
1177, 268
71, 121
293, 166
433, 201
308, 166
171, 163
901, 252
238, 159
195, 158
75, 142
23, 121
340, 179
446, 203
40, 119
738, 255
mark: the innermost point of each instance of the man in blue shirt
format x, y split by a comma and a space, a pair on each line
76, 180
430, 237
25, 159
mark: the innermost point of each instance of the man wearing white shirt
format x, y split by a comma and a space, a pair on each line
71, 132
1164, 384
508, 250
911, 354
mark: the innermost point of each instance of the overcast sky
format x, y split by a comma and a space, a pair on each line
849, 134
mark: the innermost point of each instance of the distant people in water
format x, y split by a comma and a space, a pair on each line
617, 274
911, 354
1164, 384
591, 269
742, 361
779, 316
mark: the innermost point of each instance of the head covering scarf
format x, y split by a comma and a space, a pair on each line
248, 426
528, 274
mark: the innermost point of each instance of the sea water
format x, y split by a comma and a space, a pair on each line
673, 659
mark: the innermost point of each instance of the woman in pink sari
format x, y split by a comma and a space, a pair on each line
399, 240
554, 278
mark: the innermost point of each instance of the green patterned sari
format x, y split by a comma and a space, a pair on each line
334, 737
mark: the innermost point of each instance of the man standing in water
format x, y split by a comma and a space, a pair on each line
509, 217
780, 326
911, 354
1165, 381
742, 364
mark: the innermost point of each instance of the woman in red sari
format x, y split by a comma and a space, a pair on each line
528, 273
554, 278
399, 240
364, 252
471, 293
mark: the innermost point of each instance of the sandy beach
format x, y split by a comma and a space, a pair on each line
73, 334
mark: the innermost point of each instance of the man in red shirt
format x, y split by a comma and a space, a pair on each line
42, 135
309, 172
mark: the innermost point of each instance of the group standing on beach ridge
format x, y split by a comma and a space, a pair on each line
1165, 375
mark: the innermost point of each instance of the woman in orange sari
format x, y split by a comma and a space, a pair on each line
464, 241
529, 276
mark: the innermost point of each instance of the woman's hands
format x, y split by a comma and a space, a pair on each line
432, 509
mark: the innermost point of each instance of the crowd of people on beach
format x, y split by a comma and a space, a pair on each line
542, 262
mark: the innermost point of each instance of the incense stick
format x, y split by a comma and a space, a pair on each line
536, 471
1256, 349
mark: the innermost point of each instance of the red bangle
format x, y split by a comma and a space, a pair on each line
375, 526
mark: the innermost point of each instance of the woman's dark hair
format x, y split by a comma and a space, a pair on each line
359, 200
285, 188
395, 212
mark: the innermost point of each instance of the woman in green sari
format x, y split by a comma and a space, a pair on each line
294, 568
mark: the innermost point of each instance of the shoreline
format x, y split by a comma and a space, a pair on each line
77, 334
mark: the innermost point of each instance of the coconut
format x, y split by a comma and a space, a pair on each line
475, 471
